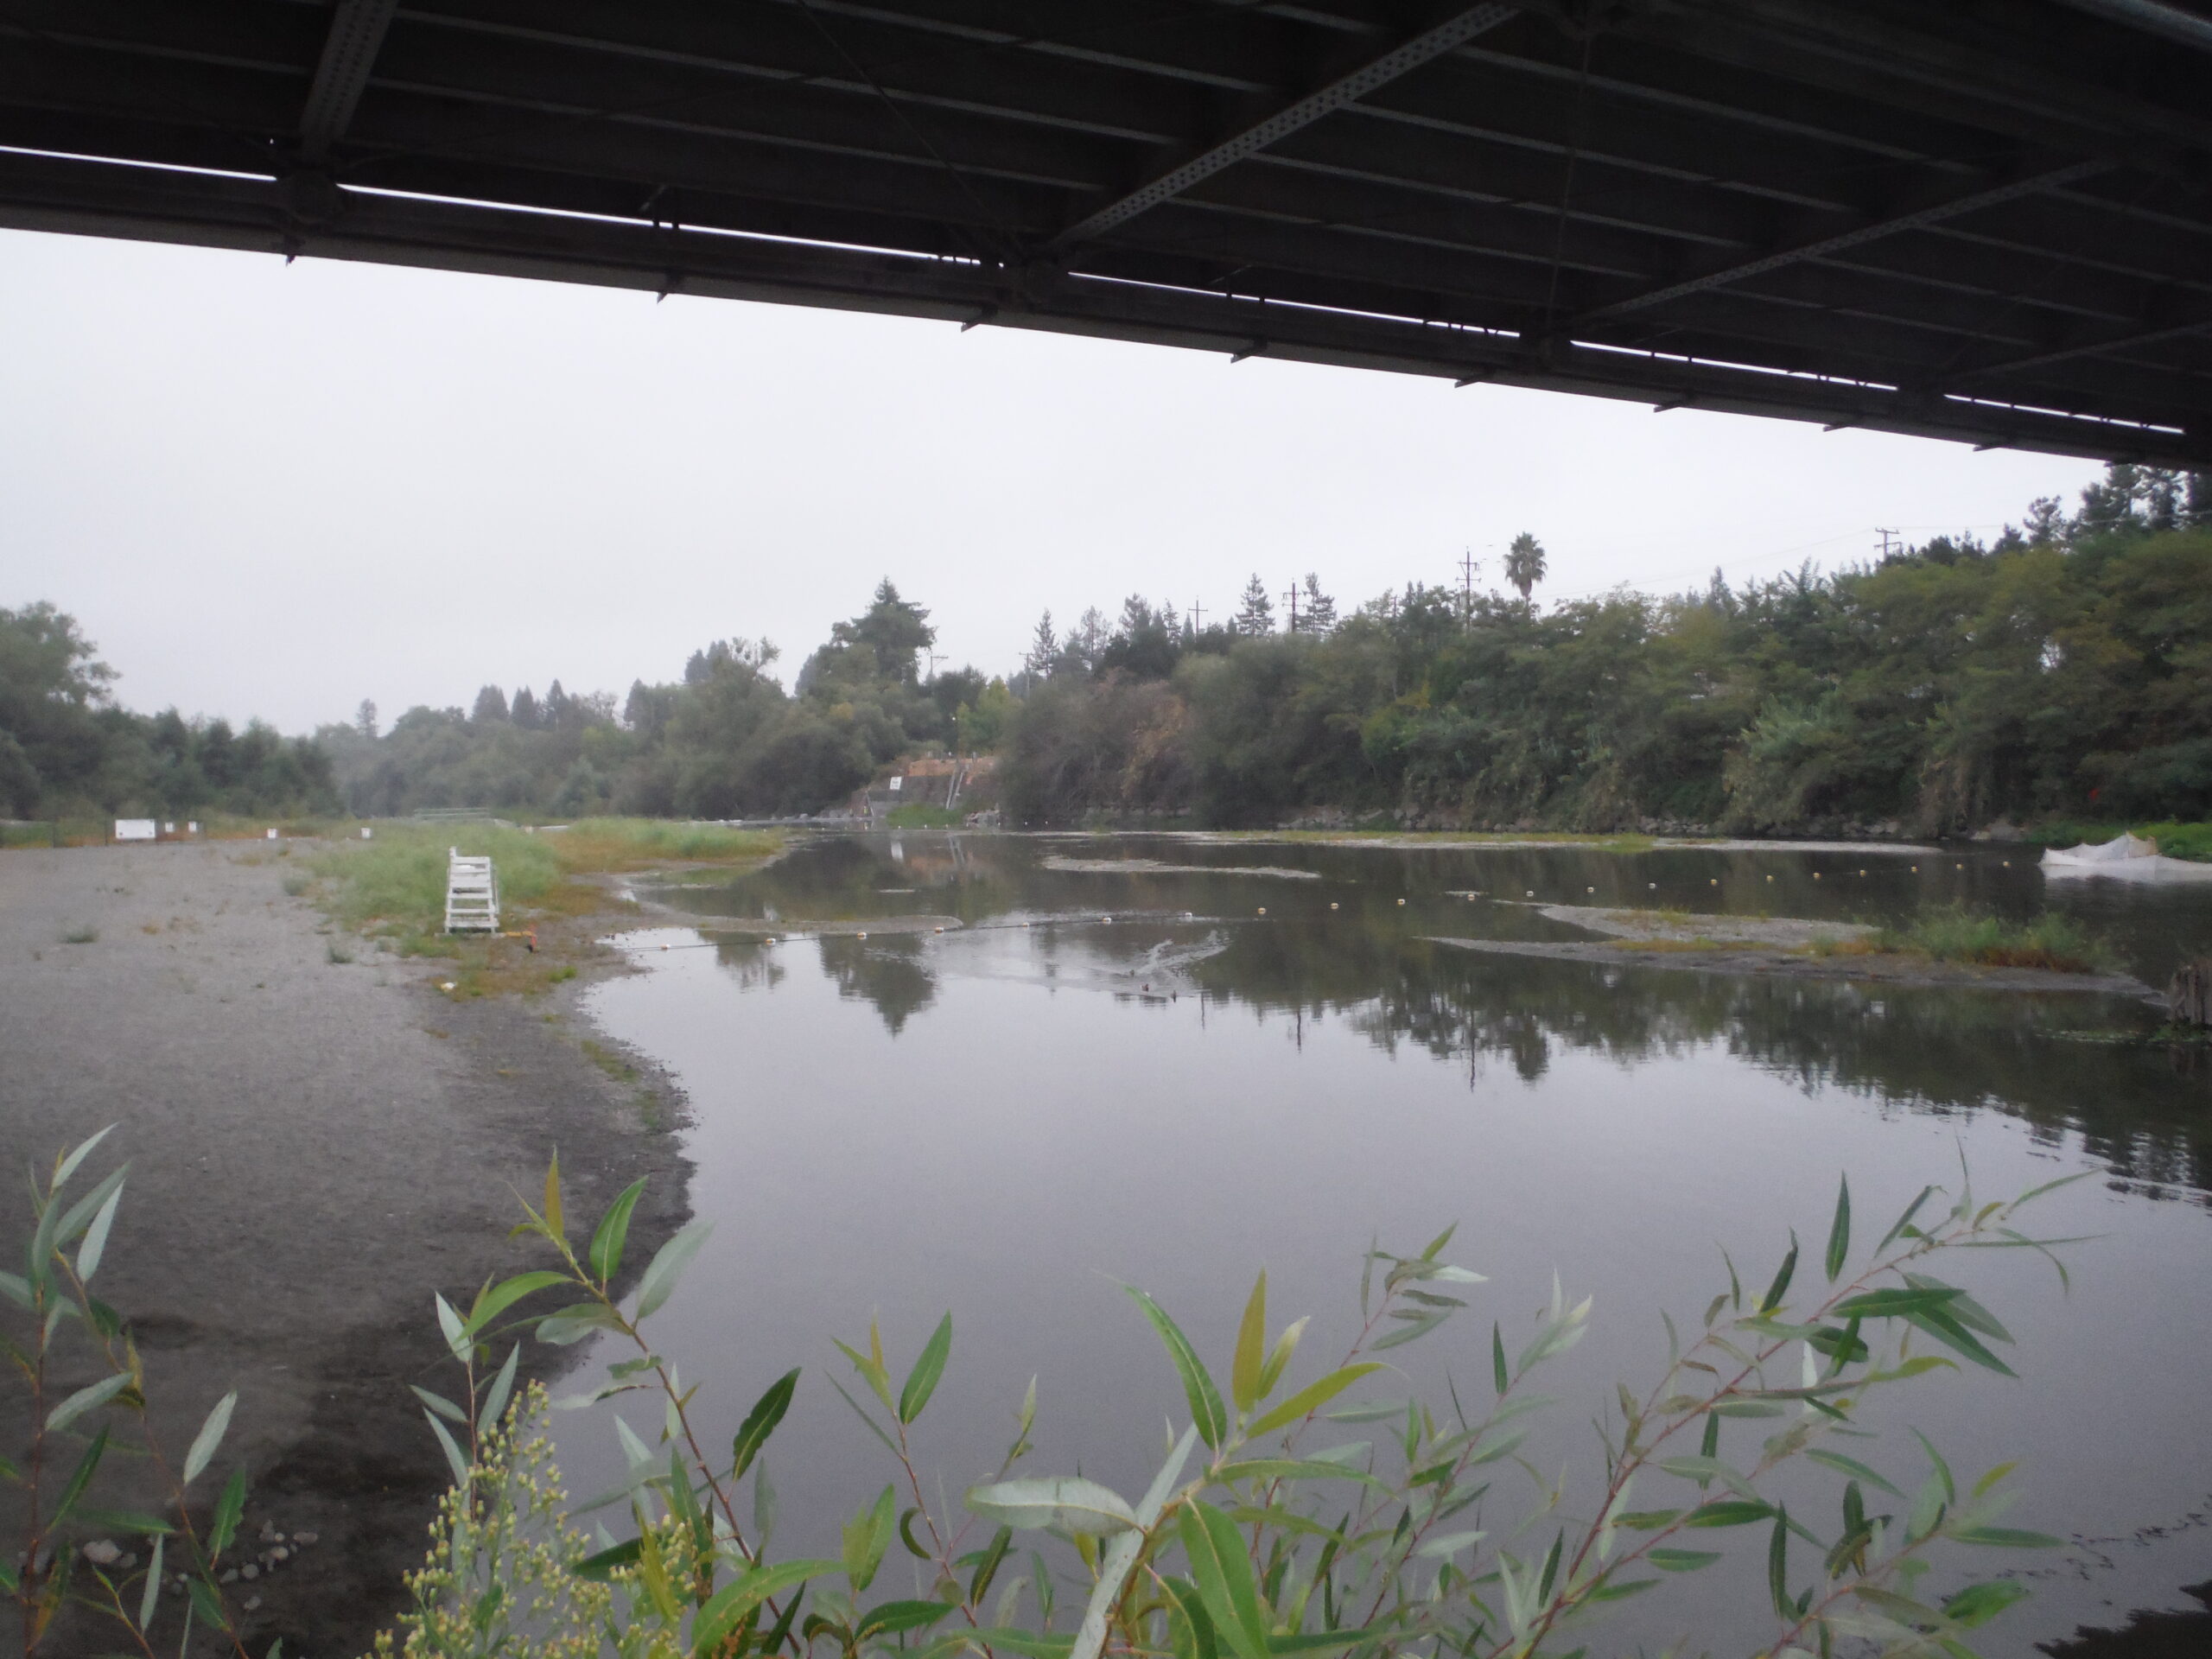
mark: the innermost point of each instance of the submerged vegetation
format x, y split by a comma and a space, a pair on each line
1254, 1538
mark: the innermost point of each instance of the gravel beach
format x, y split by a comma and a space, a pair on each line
316, 1144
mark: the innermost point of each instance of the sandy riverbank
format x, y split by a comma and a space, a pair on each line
316, 1144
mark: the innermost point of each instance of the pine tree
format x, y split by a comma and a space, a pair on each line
2046, 521
1524, 563
491, 705
1319, 614
1080, 649
523, 710
1255, 612
1044, 650
365, 720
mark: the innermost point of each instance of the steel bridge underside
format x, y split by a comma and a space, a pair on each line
1983, 220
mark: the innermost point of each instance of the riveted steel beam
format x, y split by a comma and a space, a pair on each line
1948, 207
2104, 343
1371, 76
85, 197
349, 52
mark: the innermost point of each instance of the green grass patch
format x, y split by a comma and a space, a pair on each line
606, 845
918, 817
2175, 840
1957, 934
82, 936
609, 1061
395, 885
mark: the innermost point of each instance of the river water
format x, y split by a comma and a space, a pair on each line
1259, 1055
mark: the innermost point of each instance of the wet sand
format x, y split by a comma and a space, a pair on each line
315, 1146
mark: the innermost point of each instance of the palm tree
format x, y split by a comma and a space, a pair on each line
1524, 563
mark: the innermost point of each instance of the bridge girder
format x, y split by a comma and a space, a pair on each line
1990, 222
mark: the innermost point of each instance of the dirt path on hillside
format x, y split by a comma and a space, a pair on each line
315, 1145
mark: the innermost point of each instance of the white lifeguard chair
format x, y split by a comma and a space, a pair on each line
472, 894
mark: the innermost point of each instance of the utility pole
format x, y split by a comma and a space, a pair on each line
1198, 619
1292, 597
1886, 535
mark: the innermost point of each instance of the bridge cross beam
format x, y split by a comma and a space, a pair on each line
1371, 76
349, 52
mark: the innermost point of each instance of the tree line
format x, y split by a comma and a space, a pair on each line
2062, 669
67, 750
725, 741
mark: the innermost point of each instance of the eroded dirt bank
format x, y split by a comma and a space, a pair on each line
316, 1144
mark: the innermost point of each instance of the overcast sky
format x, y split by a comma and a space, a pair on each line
276, 491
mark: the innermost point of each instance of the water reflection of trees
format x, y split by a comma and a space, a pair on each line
2139, 1110
887, 971
751, 962
1367, 962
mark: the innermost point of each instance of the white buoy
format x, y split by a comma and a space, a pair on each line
1402, 902
863, 936
1333, 903
1263, 910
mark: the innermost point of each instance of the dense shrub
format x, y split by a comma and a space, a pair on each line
2064, 671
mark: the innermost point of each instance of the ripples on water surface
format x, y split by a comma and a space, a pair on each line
1010, 1121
